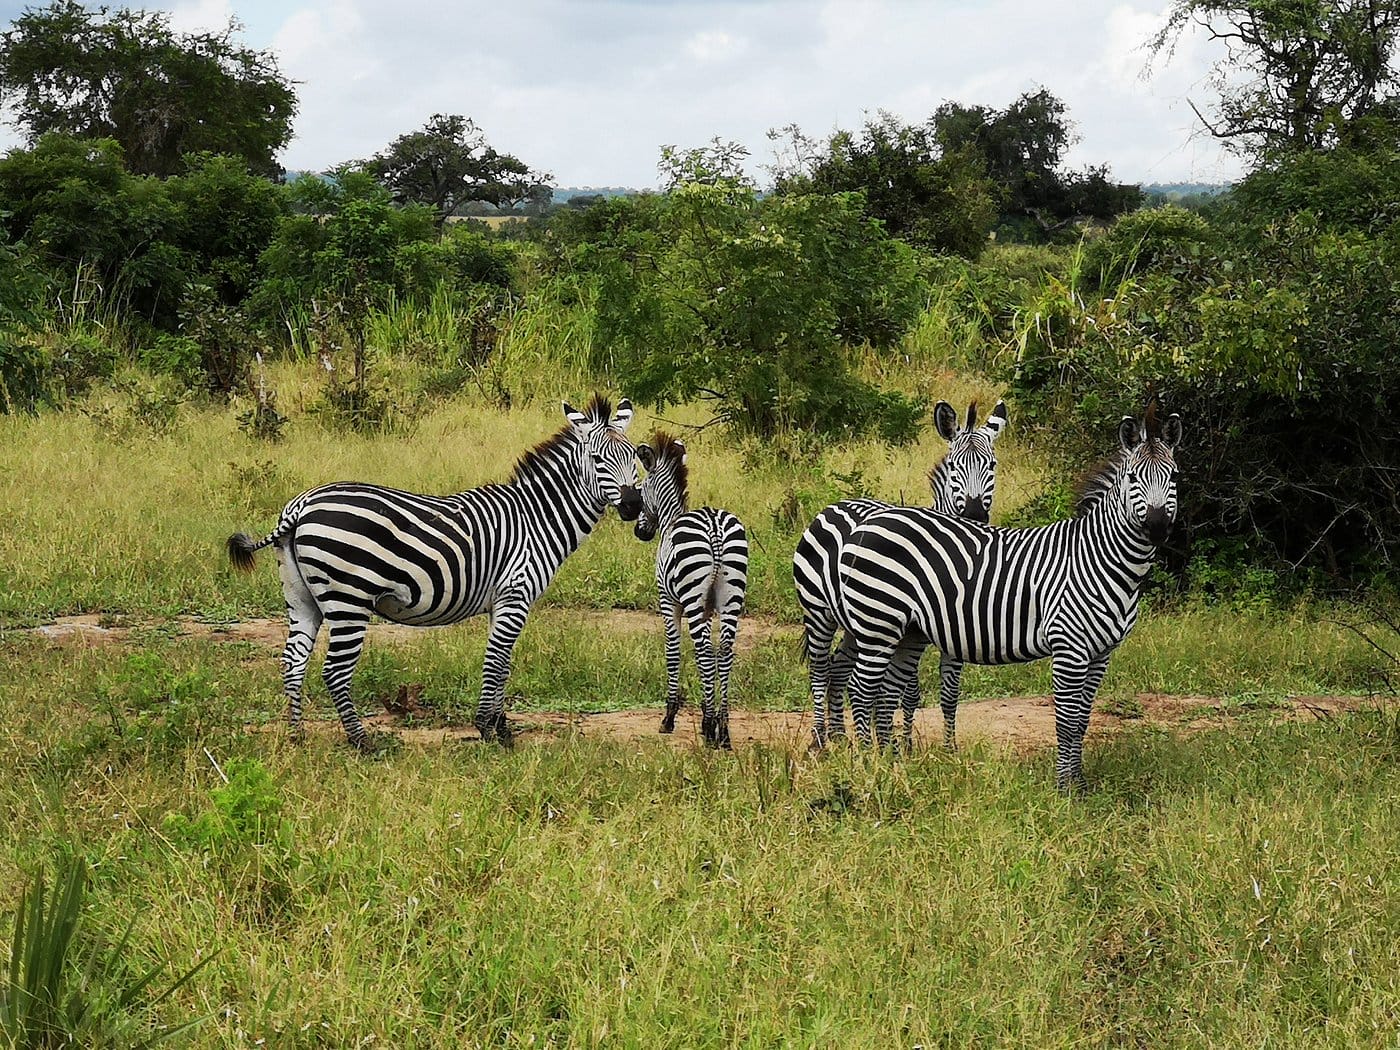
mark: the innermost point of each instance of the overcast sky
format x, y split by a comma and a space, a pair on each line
591, 89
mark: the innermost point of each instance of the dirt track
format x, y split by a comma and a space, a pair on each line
1022, 723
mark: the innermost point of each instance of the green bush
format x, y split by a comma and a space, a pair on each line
754, 302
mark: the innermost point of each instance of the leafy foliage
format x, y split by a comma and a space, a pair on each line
1020, 149
127, 76
753, 302
1294, 74
449, 163
939, 200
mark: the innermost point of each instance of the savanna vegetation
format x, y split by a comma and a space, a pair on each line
187, 340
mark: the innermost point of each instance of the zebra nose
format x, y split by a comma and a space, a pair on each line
1157, 524
975, 511
629, 504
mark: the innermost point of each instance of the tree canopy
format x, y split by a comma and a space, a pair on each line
449, 163
1294, 72
127, 76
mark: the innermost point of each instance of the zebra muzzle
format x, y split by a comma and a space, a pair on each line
629, 504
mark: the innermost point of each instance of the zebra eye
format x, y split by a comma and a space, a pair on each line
1132, 476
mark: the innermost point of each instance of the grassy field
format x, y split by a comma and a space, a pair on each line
1231, 887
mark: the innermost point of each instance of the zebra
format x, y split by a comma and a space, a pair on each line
911, 577
702, 566
962, 483
347, 550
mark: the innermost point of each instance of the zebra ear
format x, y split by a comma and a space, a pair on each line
945, 420
623, 419
996, 422
647, 455
1129, 433
680, 447
574, 416
1171, 431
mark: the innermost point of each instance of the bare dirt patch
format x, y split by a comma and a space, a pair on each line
1023, 723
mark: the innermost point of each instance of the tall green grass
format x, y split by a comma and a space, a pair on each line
1232, 888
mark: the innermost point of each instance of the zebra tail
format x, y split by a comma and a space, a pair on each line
242, 547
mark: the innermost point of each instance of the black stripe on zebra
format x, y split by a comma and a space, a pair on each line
963, 483
911, 577
702, 566
348, 550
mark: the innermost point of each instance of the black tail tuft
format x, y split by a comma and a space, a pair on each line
240, 551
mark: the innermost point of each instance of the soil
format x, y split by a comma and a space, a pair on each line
1023, 723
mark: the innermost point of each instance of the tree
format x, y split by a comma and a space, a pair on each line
753, 301
931, 198
449, 164
126, 75
1021, 148
1295, 72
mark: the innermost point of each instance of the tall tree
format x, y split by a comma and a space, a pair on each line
449, 163
126, 75
936, 199
1295, 72
1021, 148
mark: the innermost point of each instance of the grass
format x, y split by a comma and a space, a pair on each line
1229, 888
144, 529
1233, 887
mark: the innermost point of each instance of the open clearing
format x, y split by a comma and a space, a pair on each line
1022, 723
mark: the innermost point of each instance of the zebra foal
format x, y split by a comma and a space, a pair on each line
911, 577
963, 483
346, 551
702, 566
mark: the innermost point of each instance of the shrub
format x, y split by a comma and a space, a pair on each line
753, 303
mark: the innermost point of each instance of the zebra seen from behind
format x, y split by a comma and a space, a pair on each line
347, 550
963, 483
1069, 590
702, 568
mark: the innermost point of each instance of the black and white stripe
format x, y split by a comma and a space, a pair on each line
911, 577
347, 550
702, 566
963, 484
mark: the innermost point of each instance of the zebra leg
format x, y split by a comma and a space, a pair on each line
728, 631
1069, 670
507, 621
817, 633
669, 617
904, 666
702, 634
347, 638
843, 662
949, 685
868, 684
907, 695
303, 624
1093, 678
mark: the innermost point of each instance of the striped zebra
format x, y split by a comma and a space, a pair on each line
347, 550
911, 577
963, 483
702, 566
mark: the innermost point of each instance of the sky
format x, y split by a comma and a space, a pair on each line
590, 90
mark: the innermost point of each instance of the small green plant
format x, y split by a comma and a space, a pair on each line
63, 989
246, 810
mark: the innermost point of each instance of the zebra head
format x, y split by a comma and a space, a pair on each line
664, 490
964, 481
609, 462
1147, 478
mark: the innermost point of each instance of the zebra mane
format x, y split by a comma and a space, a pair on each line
598, 410
1097, 482
669, 450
